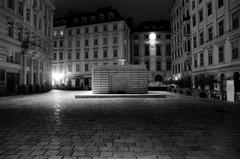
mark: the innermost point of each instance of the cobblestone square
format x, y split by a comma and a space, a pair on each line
56, 125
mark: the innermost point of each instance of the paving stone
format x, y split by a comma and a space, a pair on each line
174, 127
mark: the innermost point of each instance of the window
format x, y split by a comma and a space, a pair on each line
158, 66
55, 33
209, 8
77, 54
86, 30
105, 28
70, 32
146, 50
69, 67
105, 41
86, 42
19, 34
158, 50
95, 41
194, 19
201, 59
168, 50
28, 14
193, 4
235, 20
86, 54
35, 20
195, 61
77, 67
101, 17
78, 31
115, 53
95, 29
55, 43
86, 67
235, 50
95, 54
167, 37
221, 54
210, 34
169, 64
60, 55
20, 8
200, 15
69, 55
78, 43
115, 40
10, 29
201, 38
220, 28
61, 32
220, 3
147, 65
146, 37
10, 4
158, 36
93, 19
136, 51
69, 43
194, 41
105, 53
210, 57
54, 56
61, 43
115, 27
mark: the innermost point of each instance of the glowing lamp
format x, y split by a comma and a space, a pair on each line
57, 76
152, 38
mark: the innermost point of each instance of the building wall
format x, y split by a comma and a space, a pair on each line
68, 66
181, 39
25, 35
155, 62
217, 44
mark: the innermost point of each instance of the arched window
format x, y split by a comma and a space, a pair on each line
102, 17
75, 21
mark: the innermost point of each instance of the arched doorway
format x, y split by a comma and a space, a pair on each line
158, 78
236, 79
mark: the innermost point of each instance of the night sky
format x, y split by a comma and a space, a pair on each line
139, 10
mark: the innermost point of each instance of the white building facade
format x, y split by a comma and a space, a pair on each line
215, 41
181, 39
87, 40
25, 35
151, 46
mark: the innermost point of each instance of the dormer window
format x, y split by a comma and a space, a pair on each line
84, 20
111, 16
101, 17
75, 21
93, 19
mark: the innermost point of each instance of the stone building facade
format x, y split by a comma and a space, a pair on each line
151, 46
82, 41
25, 35
181, 39
215, 41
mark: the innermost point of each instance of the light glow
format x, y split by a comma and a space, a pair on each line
152, 38
57, 76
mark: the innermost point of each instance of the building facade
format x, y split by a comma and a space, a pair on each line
82, 41
215, 42
181, 39
151, 46
25, 35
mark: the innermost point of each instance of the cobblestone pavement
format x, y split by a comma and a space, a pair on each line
55, 125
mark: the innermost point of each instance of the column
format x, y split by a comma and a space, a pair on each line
31, 71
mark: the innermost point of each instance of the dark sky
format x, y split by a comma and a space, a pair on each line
139, 10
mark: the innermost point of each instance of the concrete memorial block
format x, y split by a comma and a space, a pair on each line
119, 79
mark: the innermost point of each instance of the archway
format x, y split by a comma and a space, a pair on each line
158, 78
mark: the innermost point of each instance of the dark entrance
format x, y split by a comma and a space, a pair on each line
158, 78
12, 81
236, 79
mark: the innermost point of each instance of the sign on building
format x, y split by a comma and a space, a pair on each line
230, 91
